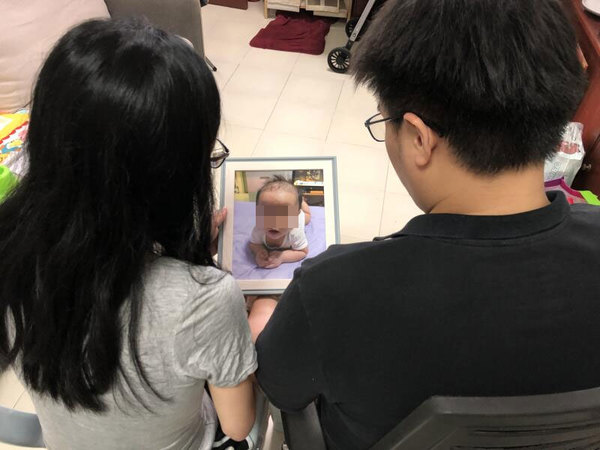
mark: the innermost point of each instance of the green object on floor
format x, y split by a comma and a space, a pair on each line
8, 180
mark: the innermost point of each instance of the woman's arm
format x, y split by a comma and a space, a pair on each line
235, 408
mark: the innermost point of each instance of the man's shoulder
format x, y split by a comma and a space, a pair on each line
349, 256
585, 220
339, 252
586, 212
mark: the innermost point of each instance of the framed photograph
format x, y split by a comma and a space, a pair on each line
281, 211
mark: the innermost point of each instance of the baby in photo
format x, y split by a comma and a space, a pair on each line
281, 214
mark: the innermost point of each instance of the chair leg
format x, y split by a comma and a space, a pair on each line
210, 64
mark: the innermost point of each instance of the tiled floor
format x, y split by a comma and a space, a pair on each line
288, 104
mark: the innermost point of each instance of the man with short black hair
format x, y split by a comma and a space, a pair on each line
495, 290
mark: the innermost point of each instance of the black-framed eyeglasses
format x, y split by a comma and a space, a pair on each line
376, 126
218, 155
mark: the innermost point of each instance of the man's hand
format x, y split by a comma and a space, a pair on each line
217, 220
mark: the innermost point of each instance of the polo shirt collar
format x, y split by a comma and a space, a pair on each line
459, 226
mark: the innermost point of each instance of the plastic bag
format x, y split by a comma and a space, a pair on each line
566, 162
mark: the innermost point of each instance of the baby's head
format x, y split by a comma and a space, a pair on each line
278, 204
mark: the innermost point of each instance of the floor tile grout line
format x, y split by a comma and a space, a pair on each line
335, 110
271, 115
14, 405
229, 78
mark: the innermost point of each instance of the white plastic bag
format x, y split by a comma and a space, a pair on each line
567, 160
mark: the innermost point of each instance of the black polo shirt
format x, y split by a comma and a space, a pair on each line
451, 305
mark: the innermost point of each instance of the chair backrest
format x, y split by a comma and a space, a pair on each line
182, 17
20, 428
557, 421
302, 429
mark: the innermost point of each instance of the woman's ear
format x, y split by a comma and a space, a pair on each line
423, 139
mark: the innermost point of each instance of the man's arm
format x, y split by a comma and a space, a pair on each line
288, 366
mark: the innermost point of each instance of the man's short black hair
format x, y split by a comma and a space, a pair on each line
501, 77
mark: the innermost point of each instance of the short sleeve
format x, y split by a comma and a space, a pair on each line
301, 220
298, 239
257, 236
289, 370
213, 340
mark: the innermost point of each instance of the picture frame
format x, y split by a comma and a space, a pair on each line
314, 178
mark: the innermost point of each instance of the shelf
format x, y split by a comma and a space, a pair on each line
324, 8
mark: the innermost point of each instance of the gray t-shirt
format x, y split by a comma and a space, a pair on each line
193, 328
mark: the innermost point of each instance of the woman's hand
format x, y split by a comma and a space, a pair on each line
217, 220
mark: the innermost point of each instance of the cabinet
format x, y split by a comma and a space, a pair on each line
340, 9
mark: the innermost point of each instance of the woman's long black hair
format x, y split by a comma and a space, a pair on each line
123, 121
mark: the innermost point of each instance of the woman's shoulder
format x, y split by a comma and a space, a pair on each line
169, 274
171, 267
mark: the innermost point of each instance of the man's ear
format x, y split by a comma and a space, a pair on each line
424, 140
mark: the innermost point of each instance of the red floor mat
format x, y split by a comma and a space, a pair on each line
294, 32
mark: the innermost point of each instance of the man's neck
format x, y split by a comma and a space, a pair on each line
510, 192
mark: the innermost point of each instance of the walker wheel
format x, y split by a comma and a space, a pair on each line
339, 59
350, 26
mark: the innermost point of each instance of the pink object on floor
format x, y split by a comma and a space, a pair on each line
293, 32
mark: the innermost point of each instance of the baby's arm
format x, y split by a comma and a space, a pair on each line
306, 210
276, 258
290, 255
261, 255
294, 255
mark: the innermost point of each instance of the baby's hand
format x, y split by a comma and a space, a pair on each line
262, 258
274, 260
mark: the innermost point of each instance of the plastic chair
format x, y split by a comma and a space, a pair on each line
302, 429
556, 421
24, 429
261, 422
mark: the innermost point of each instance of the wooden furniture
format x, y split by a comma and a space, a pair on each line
587, 27
341, 9
358, 7
237, 4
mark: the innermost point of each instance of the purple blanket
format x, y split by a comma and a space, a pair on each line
244, 265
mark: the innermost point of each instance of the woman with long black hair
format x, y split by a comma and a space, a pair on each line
112, 311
